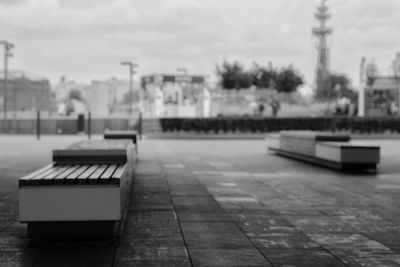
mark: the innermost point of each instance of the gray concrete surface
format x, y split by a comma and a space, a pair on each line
221, 203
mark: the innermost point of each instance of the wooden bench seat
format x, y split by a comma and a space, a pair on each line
75, 174
87, 185
304, 142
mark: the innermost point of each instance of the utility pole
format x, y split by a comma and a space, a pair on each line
322, 32
7, 47
132, 67
181, 92
361, 92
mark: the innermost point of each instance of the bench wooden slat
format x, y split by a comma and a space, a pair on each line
94, 178
119, 171
116, 177
109, 172
72, 177
49, 178
38, 178
83, 177
25, 180
37, 172
106, 176
61, 177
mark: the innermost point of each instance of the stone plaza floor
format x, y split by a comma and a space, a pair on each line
221, 203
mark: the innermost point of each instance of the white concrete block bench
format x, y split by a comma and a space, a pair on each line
349, 153
327, 149
83, 193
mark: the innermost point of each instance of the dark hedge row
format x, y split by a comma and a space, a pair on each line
263, 125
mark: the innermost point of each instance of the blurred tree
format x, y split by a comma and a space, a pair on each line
233, 76
285, 81
340, 85
337, 85
288, 80
263, 77
372, 72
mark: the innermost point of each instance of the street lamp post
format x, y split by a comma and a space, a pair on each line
7, 47
181, 94
131, 66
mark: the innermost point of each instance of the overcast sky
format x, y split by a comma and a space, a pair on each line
87, 39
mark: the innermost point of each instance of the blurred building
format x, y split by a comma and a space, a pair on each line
174, 95
382, 97
379, 94
110, 98
67, 90
26, 93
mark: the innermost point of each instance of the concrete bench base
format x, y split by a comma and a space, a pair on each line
326, 149
324, 162
348, 152
69, 203
74, 230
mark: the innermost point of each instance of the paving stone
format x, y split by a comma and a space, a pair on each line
218, 240
151, 199
228, 203
302, 258
292, 241
228, 257
153, 263
190, 201
23, 256
144, 207
203, 217
217, 227
388, 238
189, 193
357, 248
151, 252
164, 239
150, 222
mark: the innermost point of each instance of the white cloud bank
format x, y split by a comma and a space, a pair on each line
86, 39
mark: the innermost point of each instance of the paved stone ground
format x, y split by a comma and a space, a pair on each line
225, 203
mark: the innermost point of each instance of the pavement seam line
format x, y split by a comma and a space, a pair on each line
234, 222
178, 221
163, 175
305, 234
248, 238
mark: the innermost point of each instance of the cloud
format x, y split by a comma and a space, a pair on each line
87, 39
12, 2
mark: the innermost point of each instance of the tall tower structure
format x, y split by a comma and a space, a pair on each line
322, 32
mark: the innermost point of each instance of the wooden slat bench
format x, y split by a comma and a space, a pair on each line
304, 142
330, 150
83, 193
122, 134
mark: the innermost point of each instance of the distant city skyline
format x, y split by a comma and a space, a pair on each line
87, 40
